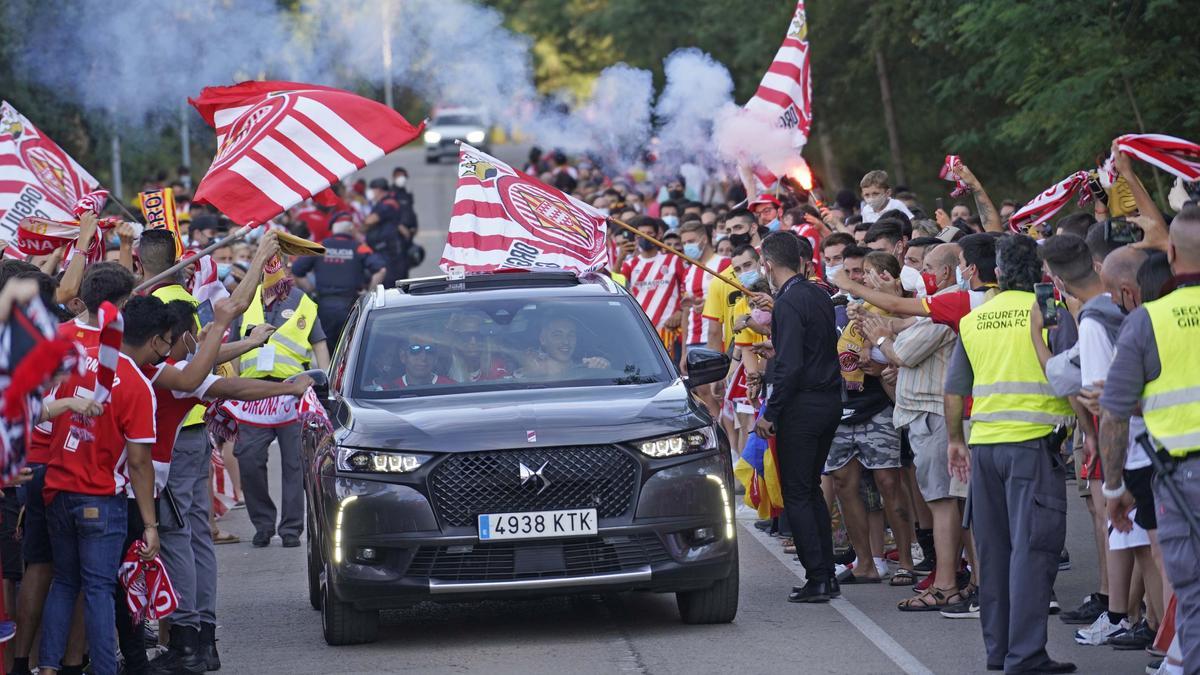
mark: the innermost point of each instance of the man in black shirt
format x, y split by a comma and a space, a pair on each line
338, 276
385, 232
803, 406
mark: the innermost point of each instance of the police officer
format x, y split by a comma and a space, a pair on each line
385, 232
1157, 366
339, 275
297, 342
1017, 482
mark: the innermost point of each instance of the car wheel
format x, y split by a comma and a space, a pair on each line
341, 623
715, 604
314, 569
432, 160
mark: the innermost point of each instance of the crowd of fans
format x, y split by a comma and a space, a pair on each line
866, 335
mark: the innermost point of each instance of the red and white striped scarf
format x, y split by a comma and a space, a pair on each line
1042, 207
1173, 155
149, 593
93, 201
947, 173
112, 330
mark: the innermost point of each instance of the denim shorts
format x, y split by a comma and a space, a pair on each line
35, 540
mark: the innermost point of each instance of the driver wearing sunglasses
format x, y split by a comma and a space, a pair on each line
419, 359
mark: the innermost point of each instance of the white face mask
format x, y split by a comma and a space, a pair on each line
877, 203
831, 271
400, 182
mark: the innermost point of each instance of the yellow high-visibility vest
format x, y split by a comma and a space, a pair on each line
1013, 400
177, 292
1171, 401
293, 352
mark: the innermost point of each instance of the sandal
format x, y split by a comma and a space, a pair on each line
902, 577
222, 537
932, 600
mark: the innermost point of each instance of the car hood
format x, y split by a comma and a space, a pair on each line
522, 418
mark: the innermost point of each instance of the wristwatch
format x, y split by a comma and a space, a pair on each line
1113, 493
880, 340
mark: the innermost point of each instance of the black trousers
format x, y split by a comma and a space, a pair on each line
803, 434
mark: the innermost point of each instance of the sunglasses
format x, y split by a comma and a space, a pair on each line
417, 349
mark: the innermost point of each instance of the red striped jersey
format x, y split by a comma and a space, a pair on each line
695, 283
657, 283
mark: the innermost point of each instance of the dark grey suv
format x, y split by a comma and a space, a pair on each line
509, 435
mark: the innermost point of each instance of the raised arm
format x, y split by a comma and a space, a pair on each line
983, 203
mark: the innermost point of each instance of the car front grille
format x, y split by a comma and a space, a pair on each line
510, 561
466, 485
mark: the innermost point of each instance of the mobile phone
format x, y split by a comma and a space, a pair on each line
205, 311
1120, 231
1045, 301
940, 205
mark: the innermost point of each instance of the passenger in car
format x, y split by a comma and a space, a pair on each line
419, 358
473, 358
555, 355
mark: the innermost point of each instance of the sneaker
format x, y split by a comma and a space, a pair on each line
7, 630
924, 567
842, 572
1139, 637
1055, 608
1093, 606
967, 609
1101, 631
881, 567
924, 584
1153, 667
1064, 561
845, 557
763, 525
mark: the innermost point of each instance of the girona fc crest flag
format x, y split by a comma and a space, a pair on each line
504, 219
36, 177
279, 143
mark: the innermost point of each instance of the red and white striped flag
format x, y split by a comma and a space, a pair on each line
36, 177
1042, 207
279, 143
1173, 155
785, 94
503, 219
947, 173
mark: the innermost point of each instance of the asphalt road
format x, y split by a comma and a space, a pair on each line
266, 625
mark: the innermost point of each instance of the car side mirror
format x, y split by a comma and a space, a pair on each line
705, 366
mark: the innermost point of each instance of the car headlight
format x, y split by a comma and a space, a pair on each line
695, 440
475, 136
433, 137
376, 461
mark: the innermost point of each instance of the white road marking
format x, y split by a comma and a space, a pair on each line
870, 630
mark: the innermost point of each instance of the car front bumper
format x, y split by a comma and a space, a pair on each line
385, 546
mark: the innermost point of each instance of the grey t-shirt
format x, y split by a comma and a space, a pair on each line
1134, 364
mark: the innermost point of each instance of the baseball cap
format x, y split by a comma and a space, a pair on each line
763, 200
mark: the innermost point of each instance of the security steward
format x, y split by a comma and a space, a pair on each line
297, 342
339, 275
1017, 481
1158, 367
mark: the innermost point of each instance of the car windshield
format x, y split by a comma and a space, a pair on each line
483, 345
457, 121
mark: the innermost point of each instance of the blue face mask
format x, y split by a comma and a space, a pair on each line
962, 282
223, 270
671, 221
749, 277
692, 250
773, 225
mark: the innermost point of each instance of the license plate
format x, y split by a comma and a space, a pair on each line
537, 524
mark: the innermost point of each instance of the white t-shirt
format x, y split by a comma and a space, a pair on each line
1095, 355
870, 215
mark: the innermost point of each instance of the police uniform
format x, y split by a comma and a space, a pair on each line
187, 546
287, 353
339, 275
1158, 366
1018, 489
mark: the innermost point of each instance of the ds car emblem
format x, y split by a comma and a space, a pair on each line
530, 476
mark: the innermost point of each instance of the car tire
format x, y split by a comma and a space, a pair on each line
341, 623
716, 604
314, 569
432, 160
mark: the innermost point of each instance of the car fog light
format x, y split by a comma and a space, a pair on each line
366, 554
702, 535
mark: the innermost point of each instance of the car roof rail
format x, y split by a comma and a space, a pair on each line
497, 279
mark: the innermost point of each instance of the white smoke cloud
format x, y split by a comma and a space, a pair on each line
138, 60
